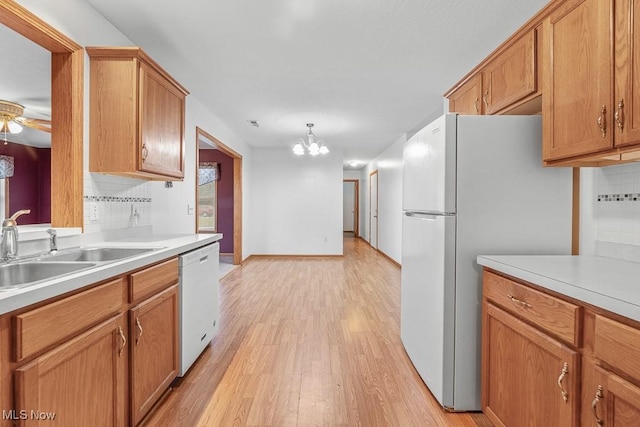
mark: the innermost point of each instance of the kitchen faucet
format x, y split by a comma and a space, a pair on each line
53, 245
9, 239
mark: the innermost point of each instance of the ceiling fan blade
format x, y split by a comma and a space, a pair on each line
39, 124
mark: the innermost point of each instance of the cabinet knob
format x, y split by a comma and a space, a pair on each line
594, 405
565, 371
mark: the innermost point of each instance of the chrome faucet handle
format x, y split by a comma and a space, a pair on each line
53, 241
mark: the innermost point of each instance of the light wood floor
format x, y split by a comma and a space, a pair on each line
308, 341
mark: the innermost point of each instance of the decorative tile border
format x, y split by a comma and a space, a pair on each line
117, 199
619, 197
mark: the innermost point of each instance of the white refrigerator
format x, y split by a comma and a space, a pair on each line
472, 185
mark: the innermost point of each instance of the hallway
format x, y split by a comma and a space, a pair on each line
308, 341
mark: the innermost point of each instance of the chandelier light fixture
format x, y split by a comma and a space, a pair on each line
312, 146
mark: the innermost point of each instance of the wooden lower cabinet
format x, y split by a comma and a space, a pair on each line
523, 360
525, 372
607, 399
154, 350
82, 382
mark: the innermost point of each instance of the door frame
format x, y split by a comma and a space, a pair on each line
356, 195
67, 111
237, 190
375, 172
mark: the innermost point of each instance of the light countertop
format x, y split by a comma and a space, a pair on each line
608, 283
165, 246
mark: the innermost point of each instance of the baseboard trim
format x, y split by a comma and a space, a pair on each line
389, 258
293, 256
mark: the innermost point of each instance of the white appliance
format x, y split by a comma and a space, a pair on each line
472, 185
198, 288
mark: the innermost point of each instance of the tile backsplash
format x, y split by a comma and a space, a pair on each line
617, 204
120, 202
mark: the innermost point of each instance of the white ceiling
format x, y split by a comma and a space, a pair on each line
364, 72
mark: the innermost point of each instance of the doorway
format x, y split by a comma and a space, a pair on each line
373, 209
350, 206
219, 192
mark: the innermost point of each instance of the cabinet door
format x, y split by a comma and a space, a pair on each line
80, 383
466, 99
627, 77
528, 377
511, 76
608, 400
161, 125
576, 91
154, 350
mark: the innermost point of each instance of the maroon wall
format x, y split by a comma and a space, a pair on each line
225, 196
30, 186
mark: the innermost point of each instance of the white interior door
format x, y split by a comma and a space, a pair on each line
348, 206
373, 209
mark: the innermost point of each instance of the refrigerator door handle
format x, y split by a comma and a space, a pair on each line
422, 216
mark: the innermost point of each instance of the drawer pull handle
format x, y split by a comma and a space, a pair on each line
139, 325
123, 339
594, 405
565, 371
517, 301
601, 121
485, 99
619, 116
475, 104
145, 153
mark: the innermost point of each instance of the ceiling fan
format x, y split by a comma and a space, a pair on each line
12, 120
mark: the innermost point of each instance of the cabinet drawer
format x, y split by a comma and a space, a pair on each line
554, 315
37, 329
618, 345
151, 280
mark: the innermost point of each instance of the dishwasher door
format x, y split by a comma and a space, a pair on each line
198, 287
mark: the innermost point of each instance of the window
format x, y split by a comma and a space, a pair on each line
208, 175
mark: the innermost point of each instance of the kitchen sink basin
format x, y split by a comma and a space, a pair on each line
28, 273
97, 254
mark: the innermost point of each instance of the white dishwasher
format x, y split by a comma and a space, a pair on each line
198, 302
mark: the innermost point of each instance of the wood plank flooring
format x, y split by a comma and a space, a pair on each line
308, 341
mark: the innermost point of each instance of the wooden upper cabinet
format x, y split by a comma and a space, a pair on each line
626, 102
467, 98
511, 75
136, 116
576, 101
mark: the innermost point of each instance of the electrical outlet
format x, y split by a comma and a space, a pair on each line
93, 211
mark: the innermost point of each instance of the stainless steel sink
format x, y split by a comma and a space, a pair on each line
96, 254
28, 273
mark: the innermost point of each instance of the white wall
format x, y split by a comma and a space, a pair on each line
297, 203
610, 211
389, 167
173, 208
167, 210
